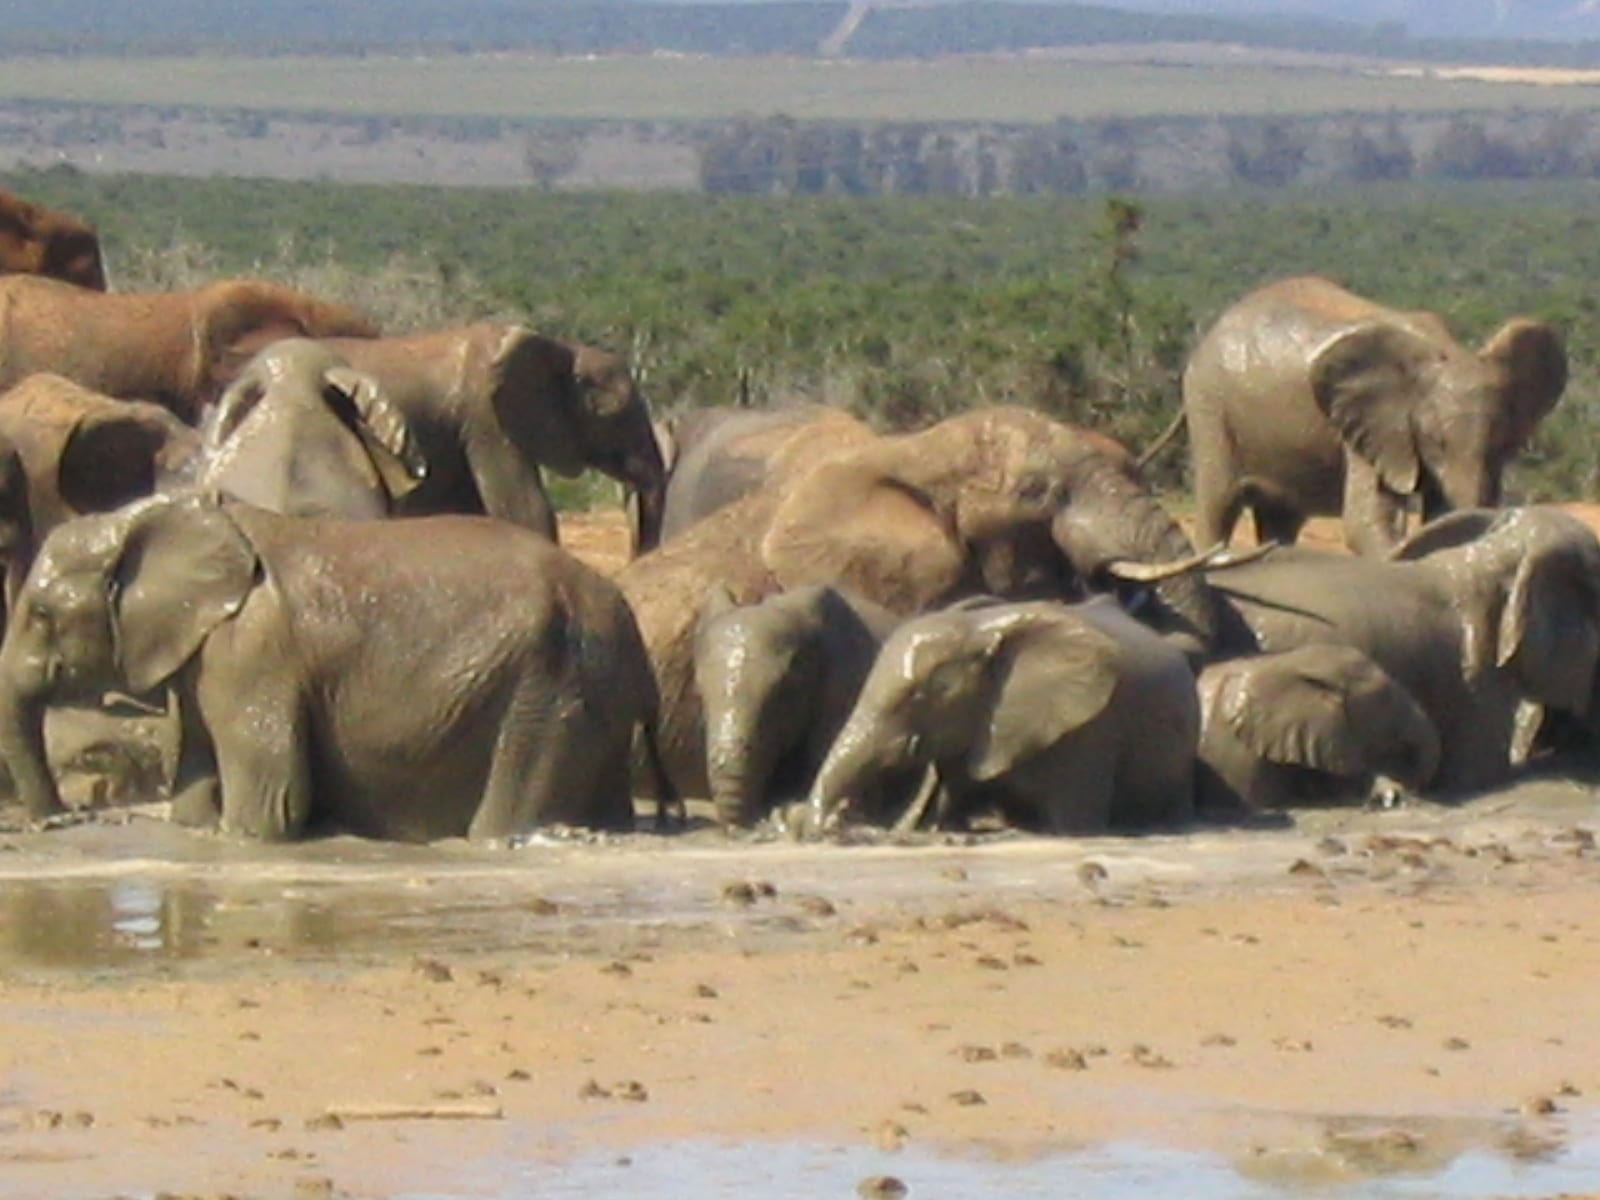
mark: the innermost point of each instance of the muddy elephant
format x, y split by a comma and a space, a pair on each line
301, 432
1000, 501
1319, 724
1476, 613
1305, 399
719, 455
778, 678
1067, 719
35, 240
175, 349
79, 452
288, 641
493, 403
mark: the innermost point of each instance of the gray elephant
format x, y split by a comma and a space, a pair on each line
176, 349
301, 432
777, 679
518, 672
490, 404
1068, 719
76, 452
1305, 399
718, 455
1000, 501
1319, 724
1476, 613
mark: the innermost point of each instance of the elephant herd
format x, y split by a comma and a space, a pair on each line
329, 554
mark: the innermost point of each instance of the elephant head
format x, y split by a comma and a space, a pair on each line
302, 433
999, 500
974, 690
1527, 584
616, 436
120, 600
79, 452
35, 240
1327, 711
777, 679
1435, 419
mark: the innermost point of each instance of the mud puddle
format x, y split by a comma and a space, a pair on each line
140, 893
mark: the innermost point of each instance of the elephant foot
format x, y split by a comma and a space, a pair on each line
198, 806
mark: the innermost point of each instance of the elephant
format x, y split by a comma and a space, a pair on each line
408, 680
35, 240
301, 432
78, 452
176, 349
718, 455
1306, 399
1065, 719
1474, 614
997, 500
778, 678
491, 403
1319, 724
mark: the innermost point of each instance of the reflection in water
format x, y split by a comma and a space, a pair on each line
1121, 1172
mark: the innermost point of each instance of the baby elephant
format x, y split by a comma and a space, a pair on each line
1064, 718
777, 679
1314, 725
438, 677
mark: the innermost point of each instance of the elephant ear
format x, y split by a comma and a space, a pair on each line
184, 568
1367, 381
1449, 532
1549, 631
1530, 359
1330, 709
855, 525
1051, 674
361, 403
109, 459
535, 400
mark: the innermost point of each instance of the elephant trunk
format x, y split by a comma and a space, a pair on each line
1126, 523
738, 769
22, 712
851, 777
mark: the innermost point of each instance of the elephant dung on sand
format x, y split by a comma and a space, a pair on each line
1306, 399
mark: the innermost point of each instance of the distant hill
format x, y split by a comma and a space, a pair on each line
1531, 32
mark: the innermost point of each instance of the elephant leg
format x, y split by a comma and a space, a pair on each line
508, 485
261, 740
1276, 521
196, 789
1374, 519
1218, 500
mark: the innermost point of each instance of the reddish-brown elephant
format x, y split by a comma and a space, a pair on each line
176, 349
35, 240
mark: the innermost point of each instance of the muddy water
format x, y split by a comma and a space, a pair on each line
142, 897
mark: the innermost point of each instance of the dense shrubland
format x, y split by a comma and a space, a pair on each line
901, 309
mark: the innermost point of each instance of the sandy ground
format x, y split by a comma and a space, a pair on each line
1356, 998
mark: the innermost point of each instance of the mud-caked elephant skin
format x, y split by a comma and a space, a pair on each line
301, 432
80, 452
719, 455
998, 501
493, 403
175, 349
1306, 399
1476, 613
35, 240
1062, 718
778, 678
1315, 725
419, 679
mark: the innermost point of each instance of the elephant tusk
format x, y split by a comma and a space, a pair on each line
1218, 558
